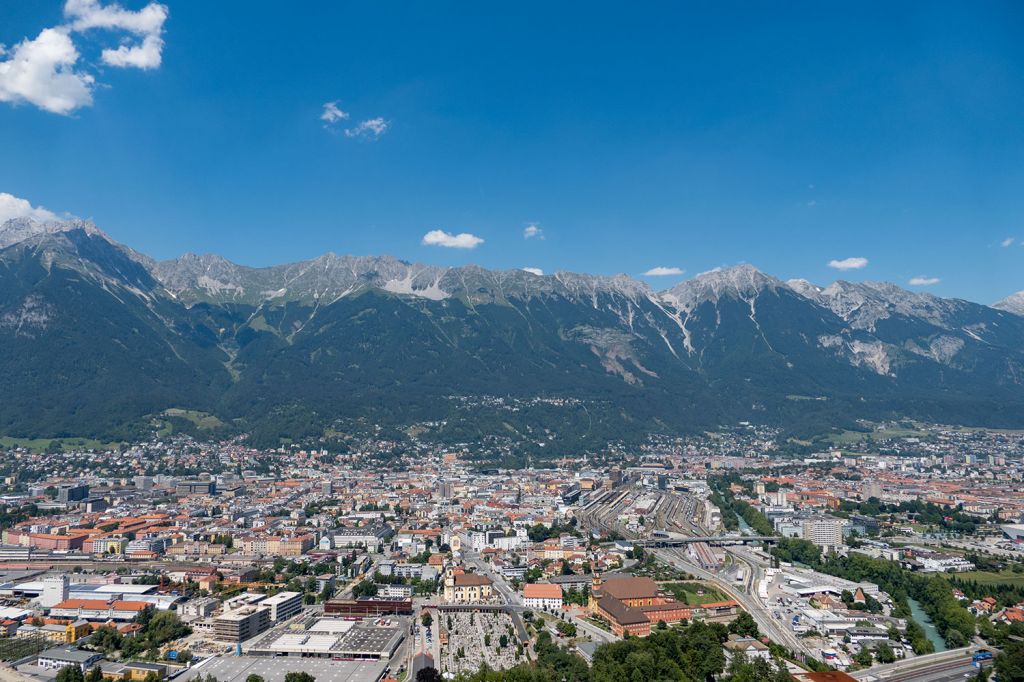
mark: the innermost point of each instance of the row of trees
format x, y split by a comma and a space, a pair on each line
732, 507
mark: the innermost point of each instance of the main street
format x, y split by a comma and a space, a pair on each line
472, 558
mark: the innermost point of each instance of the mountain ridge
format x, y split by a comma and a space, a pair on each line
182, 275
106, 337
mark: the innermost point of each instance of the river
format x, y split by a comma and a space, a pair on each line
929, 628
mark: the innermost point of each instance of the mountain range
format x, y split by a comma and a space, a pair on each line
100, 340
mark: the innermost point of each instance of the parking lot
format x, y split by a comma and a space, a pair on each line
273, 669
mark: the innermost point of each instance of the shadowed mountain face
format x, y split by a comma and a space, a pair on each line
97, 338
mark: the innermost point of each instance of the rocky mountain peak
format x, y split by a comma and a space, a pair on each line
17, 230
864, 304
805, 288
742, 282
1014, 303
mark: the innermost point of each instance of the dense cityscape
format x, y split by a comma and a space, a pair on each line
892, 550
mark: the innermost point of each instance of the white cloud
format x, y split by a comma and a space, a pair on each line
332, 114
463, 240
534, 271
42, 72
532, 231
146, 55
146, 23
662, 271
1007, 242
371, 128
923, 281
855, 263
86, 14
14, 207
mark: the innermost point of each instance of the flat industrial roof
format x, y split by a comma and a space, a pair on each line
363, 639
332, 625
280, 598
237, 668
93, 588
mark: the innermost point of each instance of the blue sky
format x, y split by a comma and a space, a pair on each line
787, 135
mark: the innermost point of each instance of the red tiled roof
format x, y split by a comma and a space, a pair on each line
468, 579
542, 591
100, 604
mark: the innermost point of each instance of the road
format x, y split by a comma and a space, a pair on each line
472, 558
595, 633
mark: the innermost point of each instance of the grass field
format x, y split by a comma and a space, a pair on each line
67, 444
200, 419
990, 578
854, 437
691, 593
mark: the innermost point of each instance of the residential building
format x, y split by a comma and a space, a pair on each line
241, 624
390, 591
72, 493
824, 531
100, 610
283, 605
542, 596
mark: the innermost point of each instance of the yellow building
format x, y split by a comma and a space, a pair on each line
467, 588
76, 631
113, 545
